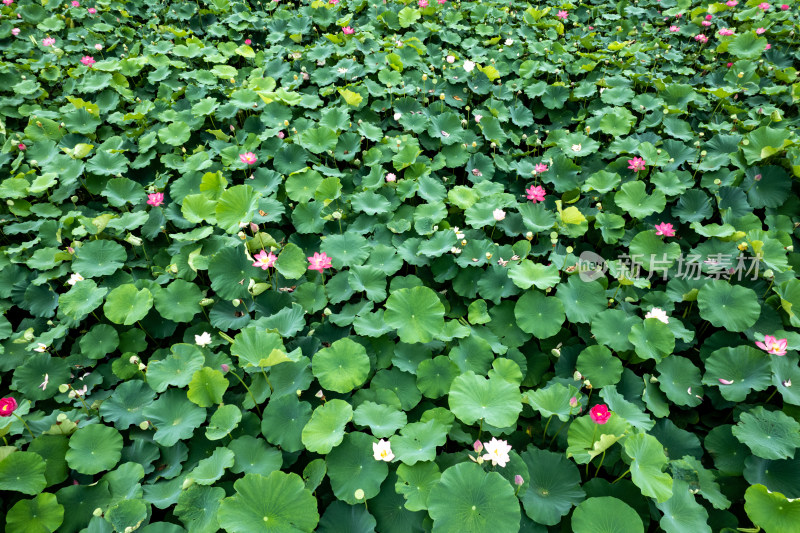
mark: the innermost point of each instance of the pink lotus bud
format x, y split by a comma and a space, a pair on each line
477, 446
573, 402
224, 367
281, 135
248, 41
518, 481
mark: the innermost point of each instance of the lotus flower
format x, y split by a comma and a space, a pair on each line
92, 11
772, 345
248, 42
535, 194
15, 31
469, 65
7, 406
319, 261
562, 15
600, 413
88, 61
726, 31
477, 446
636, 164
540, 167
497, 452
763, 6
48, 41
348, 30
390, 177
75, 3
155, 199
204, 339
265, 260
248, 158
665, 229
498, 214
659, 314
382, 451
423, 3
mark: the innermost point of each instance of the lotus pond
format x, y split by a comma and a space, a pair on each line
399, 266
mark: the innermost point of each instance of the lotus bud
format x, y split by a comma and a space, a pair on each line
97, 512
62, 417
359, 494
142, 366
653, 379
336, 215
63, 388
556, 352
529, 235
577, 376
188, 482
206, 301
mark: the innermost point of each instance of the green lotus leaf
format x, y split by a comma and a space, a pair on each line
175, 134
552, 400
648, 460
606, 514
236, 206
99, 258
587, 439
124, 408
527, 274
652, 339
197, 508
22, 472
276, 503
179, 301
554, 486
326, 427
737, 371
732, 307
415, 482
174, 417
284, 420
209, 470
351, 466
679, 379
768, 434
32, 378
539, 314
94, 448
765, 142
176, 369
253, 456
494, 400
101, 340
126, 514
230, 272
207, 387
291, 262
418, 441
435, 376
126, 305
42, 513
417, 314
257, 348
633, 198
771, 511
582, 300
341, 367
346, 250
318, 140
83, 298
383, 420
469, 500
599, 366
223, 421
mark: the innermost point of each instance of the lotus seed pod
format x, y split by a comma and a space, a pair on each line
63, 388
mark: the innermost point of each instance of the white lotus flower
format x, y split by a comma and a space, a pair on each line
658, 313
469, 65
75, 278
203, 340
497, 452
576, 147
382, 450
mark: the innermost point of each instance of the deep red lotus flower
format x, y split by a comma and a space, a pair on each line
600, 413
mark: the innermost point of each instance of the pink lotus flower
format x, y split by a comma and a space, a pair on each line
665, 229
784, 7
281, 135
155, 199
600, 413
98, 47
763, 6
726, 381
8, 2
348, 30
265, 260
334, 2
536, 194
759, 31
706, 23
15, 31
725, 32
562, 14
709, 17
92, 11
225, 367
701, 38
730, 65
772, 345
450, 59
423, 3
319, 261
673, 29
731, 3
248, 158
636, 164
444, 1
768, 46
679, 15
88, 61
498, 214
248, 42
75, 3
48, 41
390, 177
22, 147
7, 406
540, 167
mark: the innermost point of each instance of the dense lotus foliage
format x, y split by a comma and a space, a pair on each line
399, 266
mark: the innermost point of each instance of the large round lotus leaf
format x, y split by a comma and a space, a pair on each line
174, 417
278, 503
230, 272
611, 328
342, 518
212, 468
99, 258
326, 427
652, 339
682, 512
732, 307
539, 314
747, 367
729, 454
434, 376
346, 250
771, 511
599, 366
253, 456
99, 341
554, 487
383, 420
352, 466
83, 298
38, 368
176, 369
494, 400
223, 421
258, 348
679, 379
318, 140
94, 448
341, 367
785, 371
415, 483
606, 515
291, 262
284, 420
778, 476
124, 408
768, 434
417, 314
467, 499
127, 514
207, 387
648, 461
179, 301
552, 400
22, 472
418, 441
197, 508
126, 305
582, 300
41, 514
236, 206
